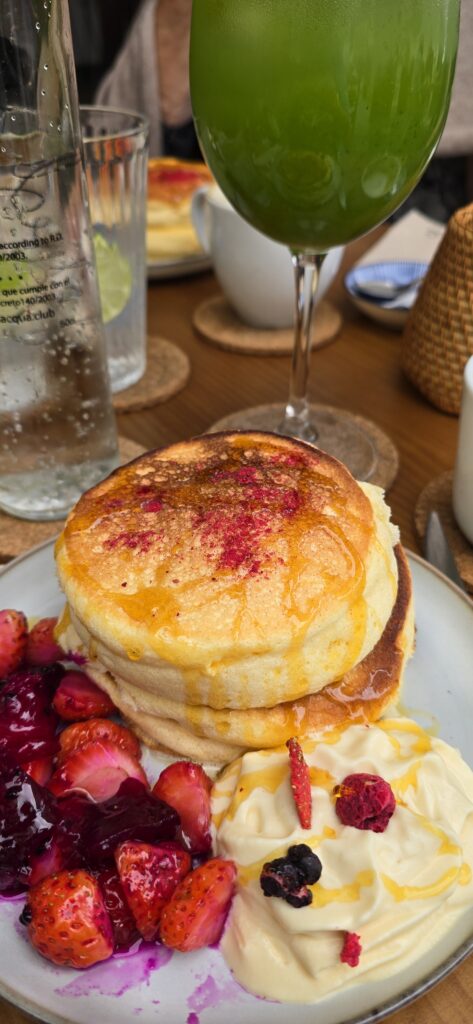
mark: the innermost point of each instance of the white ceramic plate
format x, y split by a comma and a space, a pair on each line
157, 988
186, 266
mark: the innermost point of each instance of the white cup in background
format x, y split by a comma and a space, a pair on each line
463, 475
255, 273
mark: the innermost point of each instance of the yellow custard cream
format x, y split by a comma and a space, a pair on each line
399, 890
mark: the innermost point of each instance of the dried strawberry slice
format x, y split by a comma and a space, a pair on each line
365, 801
300, 783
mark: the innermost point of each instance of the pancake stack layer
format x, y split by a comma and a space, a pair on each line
235, 590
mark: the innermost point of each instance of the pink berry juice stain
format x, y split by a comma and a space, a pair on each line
211, 993
119, 974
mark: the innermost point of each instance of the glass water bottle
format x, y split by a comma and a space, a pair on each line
57, 427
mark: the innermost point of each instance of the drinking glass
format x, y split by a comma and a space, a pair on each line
317, 118
116, 162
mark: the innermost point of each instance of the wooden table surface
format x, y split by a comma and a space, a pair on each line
361, 372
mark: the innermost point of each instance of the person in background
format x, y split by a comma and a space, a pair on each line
448, 181
151, 73
98, 28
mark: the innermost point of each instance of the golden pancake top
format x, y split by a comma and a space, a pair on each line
225, 545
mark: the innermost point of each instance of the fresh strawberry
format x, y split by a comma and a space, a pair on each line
41, 648
81, 733
187, 788
67, 920
197, 910
125, 932
40, 769
77, 698
149, 876
13, 640
98, 770
300, 783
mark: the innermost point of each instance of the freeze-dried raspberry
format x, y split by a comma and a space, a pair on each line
351, 950
365, 801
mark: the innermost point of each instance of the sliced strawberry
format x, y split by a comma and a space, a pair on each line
300, 783
13, 640
40, 769
186, 787
98, 770
67, 920
125, 932
77, 698
197, 910
41, 648
81, 733
149, 876
59, 853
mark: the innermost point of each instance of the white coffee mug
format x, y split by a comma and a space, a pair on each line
255, 273
463, 475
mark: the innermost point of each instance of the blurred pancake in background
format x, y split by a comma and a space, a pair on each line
171, 185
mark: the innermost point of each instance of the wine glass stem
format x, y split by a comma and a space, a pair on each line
296, 420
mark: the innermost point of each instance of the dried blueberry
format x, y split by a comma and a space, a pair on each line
288, 877
307, 862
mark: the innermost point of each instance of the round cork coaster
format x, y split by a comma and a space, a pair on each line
19, 535
216, 321
437, 496
385, 453
167, 372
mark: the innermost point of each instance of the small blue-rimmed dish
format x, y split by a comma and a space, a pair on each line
386, 291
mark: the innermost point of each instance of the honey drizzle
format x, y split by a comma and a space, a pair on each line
269, 779
350, 893
421, 892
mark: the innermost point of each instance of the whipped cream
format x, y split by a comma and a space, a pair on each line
399, 890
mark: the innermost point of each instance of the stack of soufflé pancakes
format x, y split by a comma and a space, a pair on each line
235, 590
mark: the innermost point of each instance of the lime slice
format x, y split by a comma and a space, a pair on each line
15, 280
114, 276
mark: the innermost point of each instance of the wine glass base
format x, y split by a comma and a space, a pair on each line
360, 444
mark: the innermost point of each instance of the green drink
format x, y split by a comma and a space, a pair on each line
318, 117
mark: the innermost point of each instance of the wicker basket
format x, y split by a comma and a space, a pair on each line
438, 337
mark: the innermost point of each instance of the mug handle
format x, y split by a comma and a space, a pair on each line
199, 217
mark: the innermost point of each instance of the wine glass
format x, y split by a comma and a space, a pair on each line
317, 119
